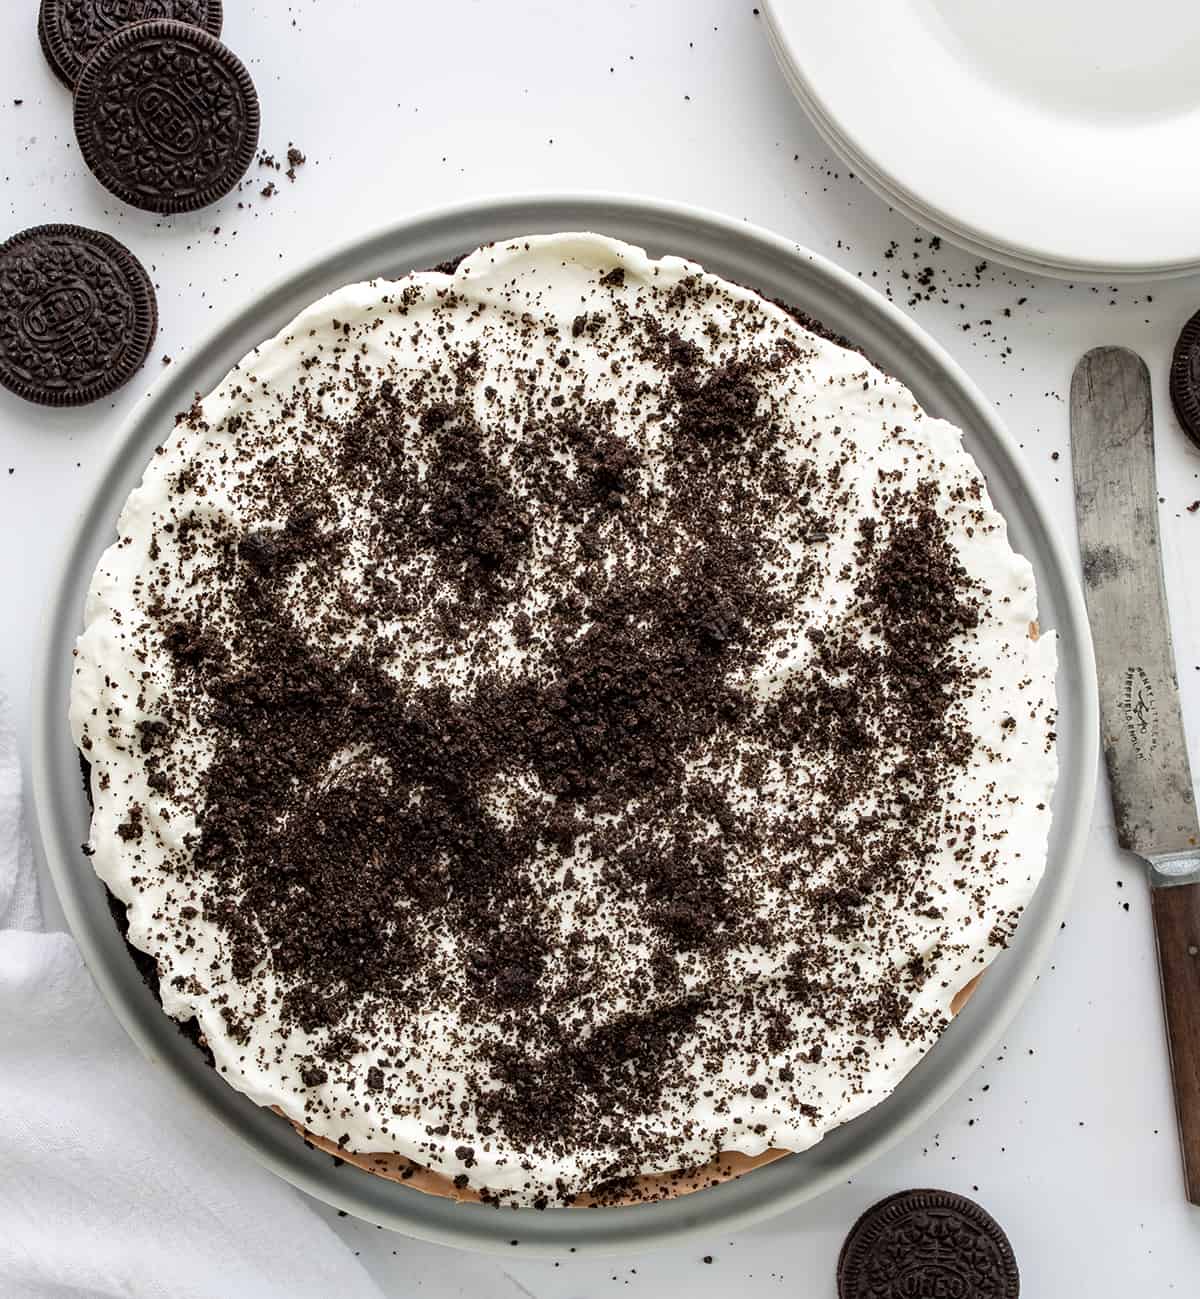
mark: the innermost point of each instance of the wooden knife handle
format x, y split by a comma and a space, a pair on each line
1177, 930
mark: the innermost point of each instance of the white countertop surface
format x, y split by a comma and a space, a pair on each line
1067, 1133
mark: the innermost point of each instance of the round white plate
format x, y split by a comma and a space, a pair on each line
1059, 136
780, 269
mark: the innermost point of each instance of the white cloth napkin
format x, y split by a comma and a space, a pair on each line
111, 1181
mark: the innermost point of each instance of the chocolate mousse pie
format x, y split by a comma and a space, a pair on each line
564, 729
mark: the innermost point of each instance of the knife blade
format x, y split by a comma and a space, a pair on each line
1145, 745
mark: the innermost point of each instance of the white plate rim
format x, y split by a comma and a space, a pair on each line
891, 190
770, 1190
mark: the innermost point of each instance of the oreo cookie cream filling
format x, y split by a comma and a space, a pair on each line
558, 717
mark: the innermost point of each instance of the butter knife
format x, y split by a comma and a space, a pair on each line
1145, 748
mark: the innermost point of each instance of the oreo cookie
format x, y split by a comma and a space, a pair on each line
77, 315
70, 31
44, 42
1185, 378
166, 117
927, 1243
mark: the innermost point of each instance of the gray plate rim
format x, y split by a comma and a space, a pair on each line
780, 268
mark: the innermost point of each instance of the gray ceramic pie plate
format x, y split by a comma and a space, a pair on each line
781, 269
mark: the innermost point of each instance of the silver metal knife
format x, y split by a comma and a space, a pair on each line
1145, 747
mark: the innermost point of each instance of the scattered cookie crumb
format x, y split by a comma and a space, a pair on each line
295, 158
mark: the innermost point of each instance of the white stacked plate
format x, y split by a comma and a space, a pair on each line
1058, 136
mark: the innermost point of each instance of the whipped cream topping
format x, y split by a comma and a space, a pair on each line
559, 717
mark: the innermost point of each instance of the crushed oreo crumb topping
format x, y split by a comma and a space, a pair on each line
509, 706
